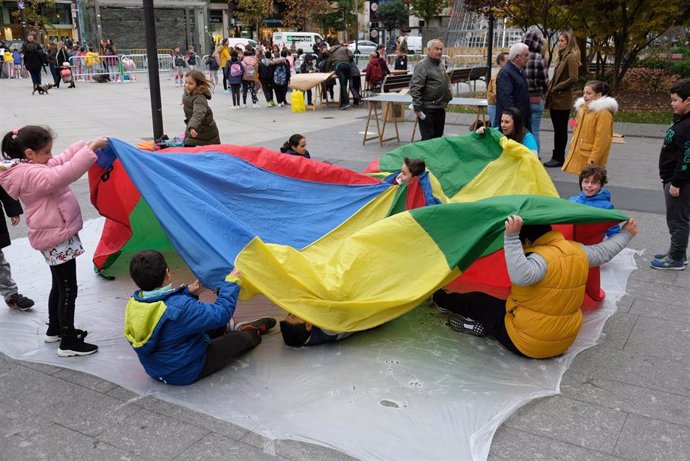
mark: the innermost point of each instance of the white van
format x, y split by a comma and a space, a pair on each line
304, 40
241, 41
414, 44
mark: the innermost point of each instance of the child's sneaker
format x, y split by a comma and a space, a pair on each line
663, 255
271, 104
255, 106
435, 298
53, 335
667, 263
261, 325
464, 325
19, 302
73, 346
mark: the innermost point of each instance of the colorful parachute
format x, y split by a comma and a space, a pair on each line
332, 246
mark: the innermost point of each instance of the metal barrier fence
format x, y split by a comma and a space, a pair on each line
122, 68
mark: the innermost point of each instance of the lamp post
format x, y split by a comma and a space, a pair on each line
154, 80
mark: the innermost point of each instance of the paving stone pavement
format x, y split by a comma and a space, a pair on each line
626, 398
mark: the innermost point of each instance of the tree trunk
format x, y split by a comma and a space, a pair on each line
584, 62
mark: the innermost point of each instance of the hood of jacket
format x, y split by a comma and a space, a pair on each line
206, 94
602, 196
145, 316
533, 41
603, 103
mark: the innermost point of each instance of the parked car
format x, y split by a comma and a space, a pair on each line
363, 47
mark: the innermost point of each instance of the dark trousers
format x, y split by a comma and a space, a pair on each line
235, 90
559, 119
248, 85
268, 91
678, 220
342, 70
356, 89
225, 80
433, 124
55, 72
224, 349
280, 91
482, 308
35, 77
62, 297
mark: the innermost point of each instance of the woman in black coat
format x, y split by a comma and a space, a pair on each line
33, 58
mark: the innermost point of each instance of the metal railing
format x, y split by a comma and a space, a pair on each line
121, 68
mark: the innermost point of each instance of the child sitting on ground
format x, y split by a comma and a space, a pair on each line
593, 192
297, 333
178, 339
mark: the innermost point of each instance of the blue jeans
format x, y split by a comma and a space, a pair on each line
491, 110
537, 112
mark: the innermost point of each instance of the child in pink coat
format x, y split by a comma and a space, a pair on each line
31, 174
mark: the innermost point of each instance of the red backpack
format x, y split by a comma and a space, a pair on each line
376, 73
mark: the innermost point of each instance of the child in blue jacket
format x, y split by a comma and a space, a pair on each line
593, 192
178, 339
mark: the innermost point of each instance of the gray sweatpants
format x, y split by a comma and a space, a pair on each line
7, 285
678, 220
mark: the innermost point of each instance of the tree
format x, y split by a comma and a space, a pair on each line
33, 11
427, 10
345, 16
299, 12
549, 16
624, 28
253, 12
393, 15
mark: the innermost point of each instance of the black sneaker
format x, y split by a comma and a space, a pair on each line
553, 163
53, 335
73, 346
261, 325
19, 302
464, 325
434, 301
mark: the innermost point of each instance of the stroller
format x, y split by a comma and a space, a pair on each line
66, 74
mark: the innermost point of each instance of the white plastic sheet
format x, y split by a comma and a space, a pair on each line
411, 389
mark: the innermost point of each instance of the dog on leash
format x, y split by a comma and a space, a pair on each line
42, 89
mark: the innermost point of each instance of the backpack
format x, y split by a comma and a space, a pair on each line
179, 61
249, 72
235, 69
280, 75
376, 73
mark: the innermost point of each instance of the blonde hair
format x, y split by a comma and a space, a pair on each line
571, 46
202, 83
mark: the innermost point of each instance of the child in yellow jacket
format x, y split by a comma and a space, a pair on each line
591, 141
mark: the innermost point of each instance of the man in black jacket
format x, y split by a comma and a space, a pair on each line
512, 89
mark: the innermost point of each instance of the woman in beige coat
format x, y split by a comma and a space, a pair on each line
592, 138
559, 95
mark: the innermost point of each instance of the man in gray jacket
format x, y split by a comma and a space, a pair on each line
430, 91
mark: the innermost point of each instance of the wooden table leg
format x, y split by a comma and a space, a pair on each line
372, 108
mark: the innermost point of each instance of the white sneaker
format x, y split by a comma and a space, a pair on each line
256, 106
280, 104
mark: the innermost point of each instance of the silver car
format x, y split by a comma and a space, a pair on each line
363, 47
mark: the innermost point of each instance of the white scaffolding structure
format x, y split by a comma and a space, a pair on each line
470, 30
